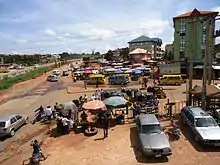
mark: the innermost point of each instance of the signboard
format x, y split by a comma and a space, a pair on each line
217, 55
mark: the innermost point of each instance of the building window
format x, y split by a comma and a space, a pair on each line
204, 31
182, 43
203, 39
183, 26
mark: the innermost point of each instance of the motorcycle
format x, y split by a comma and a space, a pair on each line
35, 159
175, 131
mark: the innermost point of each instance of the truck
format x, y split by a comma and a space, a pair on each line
171, 68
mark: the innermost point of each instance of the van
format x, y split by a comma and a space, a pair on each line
171, 80
93, 78
118, 80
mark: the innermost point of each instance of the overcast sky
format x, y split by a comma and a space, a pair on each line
53, 26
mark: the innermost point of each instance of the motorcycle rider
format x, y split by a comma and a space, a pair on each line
37, 149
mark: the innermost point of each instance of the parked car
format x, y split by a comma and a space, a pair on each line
9, 124
52, 78
153, 140
205, 129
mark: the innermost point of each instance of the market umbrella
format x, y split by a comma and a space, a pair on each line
129, 71
118, 71
115, 101
70, 107
94, 105
87, 72
137, 71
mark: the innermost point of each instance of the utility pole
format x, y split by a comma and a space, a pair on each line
209, 46
204, 79
192, 51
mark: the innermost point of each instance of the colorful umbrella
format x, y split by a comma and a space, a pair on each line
115, 101
87, 72
118, 71
94, 105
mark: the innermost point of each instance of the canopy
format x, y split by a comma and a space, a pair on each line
115, 101
118, 71
138, 51
87, 72
94, 105
129, 71
137, 71
70, 107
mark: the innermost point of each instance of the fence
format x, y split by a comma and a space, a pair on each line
176, 107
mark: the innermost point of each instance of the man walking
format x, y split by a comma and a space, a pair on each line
85, 84
105, 123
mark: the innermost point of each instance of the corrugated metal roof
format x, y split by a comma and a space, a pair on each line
196, 12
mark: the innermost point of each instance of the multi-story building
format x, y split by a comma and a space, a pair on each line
169, 51
152, 45
193, 33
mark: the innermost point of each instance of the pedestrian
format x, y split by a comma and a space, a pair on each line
93, 97
48, 113
97, 82
105, 123
65, 123
85, 98
85, 84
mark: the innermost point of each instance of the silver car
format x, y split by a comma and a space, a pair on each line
52, 78
153, 140
10, 123
204, 126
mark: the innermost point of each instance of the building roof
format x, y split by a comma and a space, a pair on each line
145, 39
196, 12
138, 51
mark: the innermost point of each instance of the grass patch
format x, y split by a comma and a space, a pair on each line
7, 82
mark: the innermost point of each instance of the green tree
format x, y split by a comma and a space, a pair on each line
124, 52
108, 55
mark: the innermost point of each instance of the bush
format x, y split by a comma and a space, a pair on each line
7, 82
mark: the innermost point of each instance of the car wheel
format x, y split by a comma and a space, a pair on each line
12, 133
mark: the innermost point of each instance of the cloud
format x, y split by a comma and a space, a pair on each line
76, 26
50, 32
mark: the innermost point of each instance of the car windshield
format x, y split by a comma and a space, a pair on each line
150, 129
2, 124
206, 122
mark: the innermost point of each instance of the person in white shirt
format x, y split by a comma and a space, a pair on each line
65, 123
93, 97
99, 94
48, 112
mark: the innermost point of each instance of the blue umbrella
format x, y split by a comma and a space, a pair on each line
118, 71
137, 71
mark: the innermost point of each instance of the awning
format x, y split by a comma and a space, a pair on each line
211, 90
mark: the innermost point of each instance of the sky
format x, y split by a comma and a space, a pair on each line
54, 26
